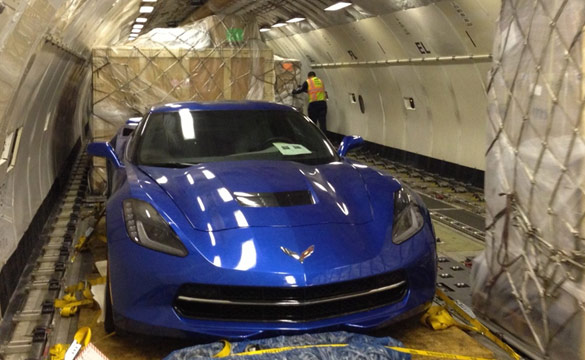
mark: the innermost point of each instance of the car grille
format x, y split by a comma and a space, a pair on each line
289, 304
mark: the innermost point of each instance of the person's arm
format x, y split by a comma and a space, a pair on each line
303, 88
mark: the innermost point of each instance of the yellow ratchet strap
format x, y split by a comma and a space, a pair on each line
81, 243
57, 351
439, 318
475, 325
81, 338
226, 351
69, 303
436, 354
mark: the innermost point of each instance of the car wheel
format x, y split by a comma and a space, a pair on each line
109, 316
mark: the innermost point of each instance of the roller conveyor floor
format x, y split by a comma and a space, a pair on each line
29, 323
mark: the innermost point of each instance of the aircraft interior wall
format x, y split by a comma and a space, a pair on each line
45, 98
448, 119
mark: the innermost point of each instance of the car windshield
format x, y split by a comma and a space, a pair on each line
186, 137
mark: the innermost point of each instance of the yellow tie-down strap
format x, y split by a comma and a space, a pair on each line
437, 317
69, 303
81, 337
445, 318
58, 351
226, 351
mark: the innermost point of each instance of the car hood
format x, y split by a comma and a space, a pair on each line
217, 196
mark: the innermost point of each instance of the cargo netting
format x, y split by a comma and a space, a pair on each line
530, 279
220, 57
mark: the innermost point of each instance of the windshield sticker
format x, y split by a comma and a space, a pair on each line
291, 149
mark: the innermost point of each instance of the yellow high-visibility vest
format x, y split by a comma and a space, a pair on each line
316, 89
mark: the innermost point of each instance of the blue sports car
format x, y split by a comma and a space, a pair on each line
240, 219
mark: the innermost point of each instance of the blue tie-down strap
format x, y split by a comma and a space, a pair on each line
333, 345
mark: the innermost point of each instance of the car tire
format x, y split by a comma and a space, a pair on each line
109, 326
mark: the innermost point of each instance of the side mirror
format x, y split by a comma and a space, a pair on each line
104, 149
348, 143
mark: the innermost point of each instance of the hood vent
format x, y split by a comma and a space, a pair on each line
279, 199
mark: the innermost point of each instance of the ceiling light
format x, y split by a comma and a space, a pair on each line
146, 9
338, 6
264, 29
279, 23
135, 31
296, 19
137, 26
131, 37
149, 0
141, 20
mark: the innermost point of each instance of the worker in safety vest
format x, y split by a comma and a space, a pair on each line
317, 96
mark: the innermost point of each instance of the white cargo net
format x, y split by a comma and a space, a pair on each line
530, 279
217, 58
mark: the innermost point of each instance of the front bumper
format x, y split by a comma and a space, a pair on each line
145, 285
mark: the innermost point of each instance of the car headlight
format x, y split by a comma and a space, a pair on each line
146, 227
408, 219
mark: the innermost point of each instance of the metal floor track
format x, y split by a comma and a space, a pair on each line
29, 321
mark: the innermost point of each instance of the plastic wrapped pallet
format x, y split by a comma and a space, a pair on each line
530, 279
287, 78
299, 347
217, 58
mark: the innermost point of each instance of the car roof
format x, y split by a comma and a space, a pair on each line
220, 105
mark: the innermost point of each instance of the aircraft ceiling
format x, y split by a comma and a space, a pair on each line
174, 12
